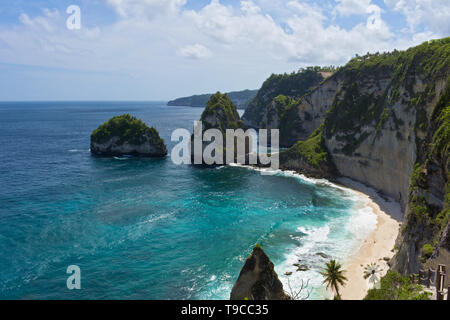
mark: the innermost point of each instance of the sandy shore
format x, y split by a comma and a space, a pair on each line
379, 244
377, 247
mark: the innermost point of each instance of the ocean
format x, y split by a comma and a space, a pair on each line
147, 228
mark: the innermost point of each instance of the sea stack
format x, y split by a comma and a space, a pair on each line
127, 135
221, 114
258, 279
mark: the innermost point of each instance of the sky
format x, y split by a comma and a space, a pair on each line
163, 49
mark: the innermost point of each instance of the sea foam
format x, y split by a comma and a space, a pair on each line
337, 240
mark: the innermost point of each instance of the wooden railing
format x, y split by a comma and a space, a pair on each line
425, 278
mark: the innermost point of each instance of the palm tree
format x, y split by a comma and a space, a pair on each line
334, 276
372, 272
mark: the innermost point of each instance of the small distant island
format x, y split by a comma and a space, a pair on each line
241, 99
127, 135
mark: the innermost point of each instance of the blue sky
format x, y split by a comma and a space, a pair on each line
162, 49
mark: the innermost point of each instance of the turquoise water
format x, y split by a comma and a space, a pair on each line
146, 228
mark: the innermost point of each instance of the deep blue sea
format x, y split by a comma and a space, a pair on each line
146, 228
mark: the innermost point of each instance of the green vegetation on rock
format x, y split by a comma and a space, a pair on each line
109, 137
440, 149
350, 112
427, 250
283, 103
221, 113
354, 108
127, 128
431, 58
436, 152
432, 169
375, 103
312, 152
393, 286
293, 85
287, 114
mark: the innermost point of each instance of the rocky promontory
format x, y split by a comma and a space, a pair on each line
382, 120
258, 279
220, 114
127, 135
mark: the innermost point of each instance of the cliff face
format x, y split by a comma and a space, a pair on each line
369, 136
424, 240
127, 135
263, 112
379, 129
300, 121
258, 279
381, 153
385, 123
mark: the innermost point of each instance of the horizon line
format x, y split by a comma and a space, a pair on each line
18, 101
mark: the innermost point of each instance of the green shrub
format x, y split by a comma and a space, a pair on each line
427, 250
383, 119
223, 108
417, 178
404, 227
312, 150
394, 286
293, 85
127, 128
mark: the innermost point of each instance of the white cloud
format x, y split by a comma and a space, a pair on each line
149, 8
196, 51
44, 40
230, 26
40, 22
234, 34
243, 44
433, 14
374, 21
350, 7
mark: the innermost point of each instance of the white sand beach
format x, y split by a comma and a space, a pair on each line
377, 247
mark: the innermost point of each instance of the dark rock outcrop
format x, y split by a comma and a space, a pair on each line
258, 279
221, 114
127, 135
323, 255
